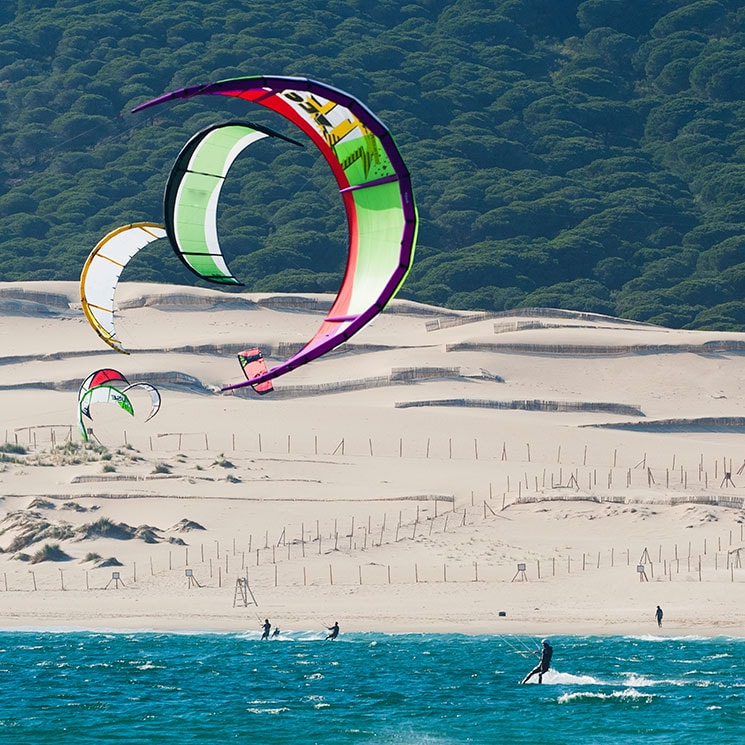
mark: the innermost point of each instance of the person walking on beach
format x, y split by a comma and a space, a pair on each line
334, 631
658, 615
544, 663
267, 628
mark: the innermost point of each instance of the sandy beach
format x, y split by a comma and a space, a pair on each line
538, 473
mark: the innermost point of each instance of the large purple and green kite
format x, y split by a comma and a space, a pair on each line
373, 181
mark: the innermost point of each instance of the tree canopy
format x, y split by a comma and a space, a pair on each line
589, 155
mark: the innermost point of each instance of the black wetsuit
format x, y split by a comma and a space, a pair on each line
546, 655
334, 631
267, 629
543, 664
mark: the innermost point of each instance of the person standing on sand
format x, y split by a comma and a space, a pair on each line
334, 631
267, 628
658, 615
544, 663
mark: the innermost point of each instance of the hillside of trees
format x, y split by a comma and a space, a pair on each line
584, 155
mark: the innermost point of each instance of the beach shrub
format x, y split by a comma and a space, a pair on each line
74, 506
12, 447
223, 462
42, 504
50, 552
185, 525
161, 468
69, 448
34, 530
112, 561
148, 534
105, 528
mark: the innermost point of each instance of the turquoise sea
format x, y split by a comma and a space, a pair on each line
84, 687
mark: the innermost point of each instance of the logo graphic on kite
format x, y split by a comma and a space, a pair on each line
373, 182
110, 386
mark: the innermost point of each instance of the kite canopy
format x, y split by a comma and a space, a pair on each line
110, 386
101, 273
193, 191
154, 397
100, 377
375, 186
105, 393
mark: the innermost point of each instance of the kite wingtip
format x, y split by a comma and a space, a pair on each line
192, 90
234, 386
262, 388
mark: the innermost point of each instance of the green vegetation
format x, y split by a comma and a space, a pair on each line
71, 454
32, 530
105, 528
50, 552
589, 155
75, 507
9, 447
39, 503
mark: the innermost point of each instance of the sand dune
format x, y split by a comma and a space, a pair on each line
397, 483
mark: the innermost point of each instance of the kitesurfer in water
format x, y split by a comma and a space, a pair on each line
334, 630
267, 628
276, 631
544, 663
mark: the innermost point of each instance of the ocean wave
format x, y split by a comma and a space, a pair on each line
150, 666
684, 638
627, 695
640, 681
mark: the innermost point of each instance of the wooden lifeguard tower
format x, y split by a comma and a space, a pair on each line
243, 592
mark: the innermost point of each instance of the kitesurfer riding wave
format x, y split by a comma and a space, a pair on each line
544, 663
